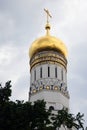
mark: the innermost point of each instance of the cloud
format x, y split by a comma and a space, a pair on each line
7, 27
21, 22
21, 88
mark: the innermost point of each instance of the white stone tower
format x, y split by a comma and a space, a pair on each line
48, 71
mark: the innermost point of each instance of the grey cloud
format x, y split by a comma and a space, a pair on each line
21, 22
21, 89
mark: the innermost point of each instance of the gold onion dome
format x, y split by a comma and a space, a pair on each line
47, 42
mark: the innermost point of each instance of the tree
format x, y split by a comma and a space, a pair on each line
79, 119
60, 119
40, 116
67, 120
5, 92
19, 114
13, 115
26, 116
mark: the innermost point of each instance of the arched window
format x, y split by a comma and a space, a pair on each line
51, 108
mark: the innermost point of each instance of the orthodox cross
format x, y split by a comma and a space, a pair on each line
48, 15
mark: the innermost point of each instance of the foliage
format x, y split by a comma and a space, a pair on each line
79, 119
5, 92
40, 116
20, 115
67, 120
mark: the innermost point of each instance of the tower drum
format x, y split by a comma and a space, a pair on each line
48, 79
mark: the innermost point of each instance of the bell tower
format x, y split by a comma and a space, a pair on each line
48, 70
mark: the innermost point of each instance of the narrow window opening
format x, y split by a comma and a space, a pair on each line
62, 74
41, 72
34, 74
56, 72
48, 71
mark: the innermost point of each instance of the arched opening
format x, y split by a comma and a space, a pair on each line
51, 108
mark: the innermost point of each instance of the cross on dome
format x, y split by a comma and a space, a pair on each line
48, 15
47, 27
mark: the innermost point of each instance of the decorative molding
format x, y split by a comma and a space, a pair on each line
66, 94
48, 58
49, 85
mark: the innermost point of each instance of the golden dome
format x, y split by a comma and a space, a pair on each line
47, 42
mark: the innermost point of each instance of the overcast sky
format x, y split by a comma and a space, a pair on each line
22, 21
